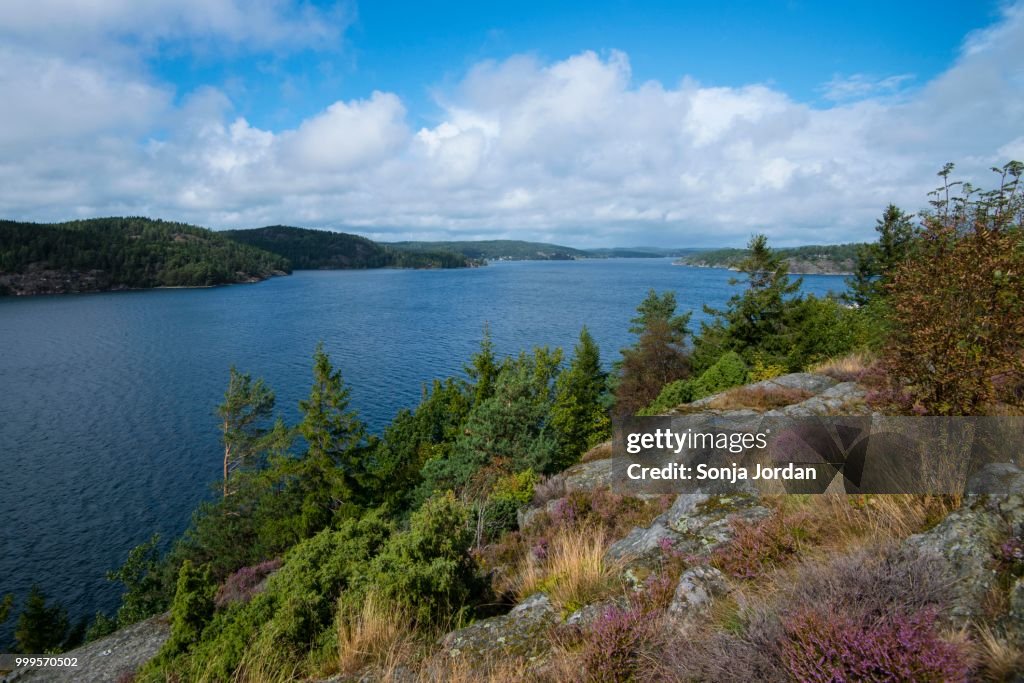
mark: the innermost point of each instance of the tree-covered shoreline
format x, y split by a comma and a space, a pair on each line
104, 254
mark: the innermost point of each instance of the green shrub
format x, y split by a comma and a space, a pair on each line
728, 371
192, 607
427, 569
295, 610
509, 495
672, 395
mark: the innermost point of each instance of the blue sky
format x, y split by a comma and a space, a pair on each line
597, 124
415, 49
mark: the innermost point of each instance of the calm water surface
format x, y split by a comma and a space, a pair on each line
107, 429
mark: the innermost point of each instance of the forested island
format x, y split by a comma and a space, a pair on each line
103, 254
308, 249
826, 259
478, 536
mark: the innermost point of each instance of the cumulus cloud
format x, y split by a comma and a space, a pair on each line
573, 150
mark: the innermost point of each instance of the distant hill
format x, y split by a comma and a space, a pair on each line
638, 252
308, 249
123, 253
830, 259
498, 250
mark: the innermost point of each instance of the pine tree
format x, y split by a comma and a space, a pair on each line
658, 356
247, 407
663, 307
577, 415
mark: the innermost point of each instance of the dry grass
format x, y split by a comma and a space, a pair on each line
840, 521
374, 634
443, 667
1000, 659
848, 368
572, 571
758, 398
601, 451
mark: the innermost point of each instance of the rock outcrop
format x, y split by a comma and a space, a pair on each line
107, 660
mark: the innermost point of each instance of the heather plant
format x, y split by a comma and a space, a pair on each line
824, 646
1011, 556
760, 546
875, 585
614, 645
241, 586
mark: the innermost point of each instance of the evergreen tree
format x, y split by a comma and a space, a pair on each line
753, 323
140, 574
192, 607
663, 307
483, 369
656, 360
41, 628
333, 473
577, 415
658, 357
876, 263
509, 431
247, 407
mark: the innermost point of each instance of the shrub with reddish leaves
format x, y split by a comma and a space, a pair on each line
241, 586
614, 643
757, 547
827, 646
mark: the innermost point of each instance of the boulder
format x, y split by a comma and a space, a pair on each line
967, 539
695, 524
697, 589
588, 476
523, 632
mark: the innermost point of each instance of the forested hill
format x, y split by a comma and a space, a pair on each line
323, 249
495, 250
808, 260
123, 253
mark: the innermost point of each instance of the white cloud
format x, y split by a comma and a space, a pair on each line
349, 135
70, 24
573, 150
860, 86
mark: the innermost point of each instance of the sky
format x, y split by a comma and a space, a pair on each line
606, 123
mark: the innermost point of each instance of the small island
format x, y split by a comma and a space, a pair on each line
828, 259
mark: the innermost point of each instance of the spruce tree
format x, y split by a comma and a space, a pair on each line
754, 322
577, 416
332, 474
876, 263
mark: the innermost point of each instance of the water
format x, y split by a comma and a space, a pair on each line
107, 431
